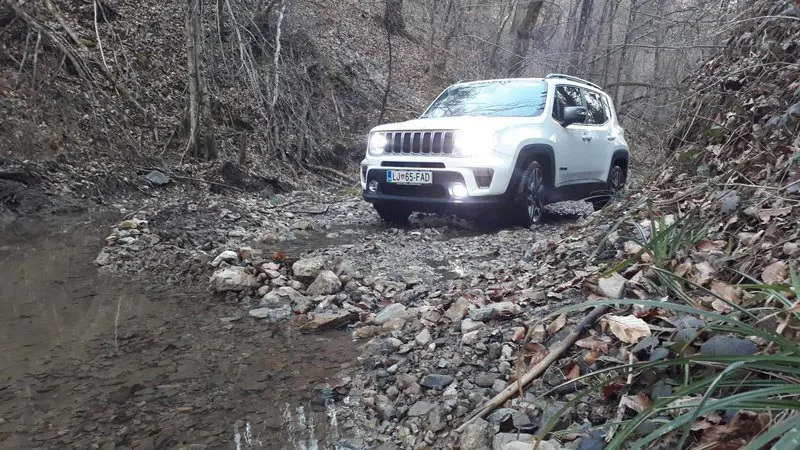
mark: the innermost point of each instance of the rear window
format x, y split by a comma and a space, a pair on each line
508, 98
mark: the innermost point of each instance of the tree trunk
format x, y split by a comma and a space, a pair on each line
493, 63
393, 17
577, 44
201, 143
524, 20
624, 52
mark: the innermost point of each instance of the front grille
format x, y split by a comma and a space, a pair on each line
419, 143
416, 164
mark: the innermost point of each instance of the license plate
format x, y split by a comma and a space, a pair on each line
409, 177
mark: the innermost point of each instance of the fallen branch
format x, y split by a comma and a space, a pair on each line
555, 352
330, 171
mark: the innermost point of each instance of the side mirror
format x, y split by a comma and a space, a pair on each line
574, 114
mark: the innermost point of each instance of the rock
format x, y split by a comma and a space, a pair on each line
728, 346
384, 407
612, 287
437, 420
550, 411
303, 225
272, 314
131, 224
476, 436
326, 283
228, 256
436, 381
283, 295
528, 445
471, 338
498, 386
458, 309
157, 178
506, 309
232, 279
485, 379
423, 338
501, 439
104, 258
393, 311
468, 325
328, 321
420, 409
307, 269
481, 314
791, 249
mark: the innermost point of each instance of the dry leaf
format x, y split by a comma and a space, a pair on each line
519, 334
720, 306
610, 390
711, 246
557, 324
629, 329
744, 426
638, 402
593, 343
775, 273
730, 293
702, 273
573, 372
767, 214
682, 269
538, 334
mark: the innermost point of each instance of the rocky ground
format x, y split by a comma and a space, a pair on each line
440, 307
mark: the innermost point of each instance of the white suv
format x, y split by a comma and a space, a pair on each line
499, 148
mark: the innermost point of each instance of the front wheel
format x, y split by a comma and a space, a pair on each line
529, 204
393, 214
615, 184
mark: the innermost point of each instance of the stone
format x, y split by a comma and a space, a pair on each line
283, 295
501, 439
506, 309
157, 178
468, 325
423, 337
326, 283
228, 256
393, 311
272, 314
728, 346
471, 338
307, 269
791, 249
436, 381
420, 409
232, 279
476, 436
481, 314
458, 309
612, 287
498, 386
528, 445
304, 225
551, 410
384, 406
485, 379
328, 321
437, 420
104, 258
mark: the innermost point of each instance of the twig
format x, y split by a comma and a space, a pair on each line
97, 33
214, 183
322, 211
555, 352
330, 171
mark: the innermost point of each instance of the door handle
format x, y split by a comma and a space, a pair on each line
611, 138
587, 139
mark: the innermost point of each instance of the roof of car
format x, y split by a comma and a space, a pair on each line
549, 78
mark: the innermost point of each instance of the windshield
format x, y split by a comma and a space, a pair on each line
508, 98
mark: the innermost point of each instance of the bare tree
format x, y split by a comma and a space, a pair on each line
524, 20
393, 17
201, 142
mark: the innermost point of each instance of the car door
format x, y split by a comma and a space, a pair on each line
602, 144
574, 141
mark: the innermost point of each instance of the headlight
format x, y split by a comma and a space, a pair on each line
474, 143
377, 143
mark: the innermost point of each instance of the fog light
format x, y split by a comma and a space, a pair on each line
458, 190
373, 186
483, 177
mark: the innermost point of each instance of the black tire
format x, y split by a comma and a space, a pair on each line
529, 202
393, 214
614, 185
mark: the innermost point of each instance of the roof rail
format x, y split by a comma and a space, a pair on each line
571, 78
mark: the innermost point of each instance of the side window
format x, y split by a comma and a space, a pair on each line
566, 96
596, 107
607, 107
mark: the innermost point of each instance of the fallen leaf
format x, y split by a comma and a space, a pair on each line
573, 372
557, 324
720, 306
767, 214
610, 390
538, 333
638, 402
682, 269
629, 329
593, 343
744, 426
519, 334
775, 273
730, 293
702, 273
711, 246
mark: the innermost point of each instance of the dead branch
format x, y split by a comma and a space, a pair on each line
330, 171
97, 34
555, 352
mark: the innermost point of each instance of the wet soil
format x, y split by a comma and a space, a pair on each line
95, 361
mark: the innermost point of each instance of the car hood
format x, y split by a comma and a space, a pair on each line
459, 123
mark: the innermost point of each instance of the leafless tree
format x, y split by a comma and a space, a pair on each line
201, 143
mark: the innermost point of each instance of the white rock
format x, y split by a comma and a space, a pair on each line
423, 337
326, 283
471, 338
283, 295
227, 256
271, 313
393, 311
309, 268
468, 325
232, 279
103, 259
612, 287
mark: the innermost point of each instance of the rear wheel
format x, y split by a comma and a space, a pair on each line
529, 204
393, 214
615, 184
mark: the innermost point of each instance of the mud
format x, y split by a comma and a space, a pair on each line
95, 361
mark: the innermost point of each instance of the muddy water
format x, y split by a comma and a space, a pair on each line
88, 360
